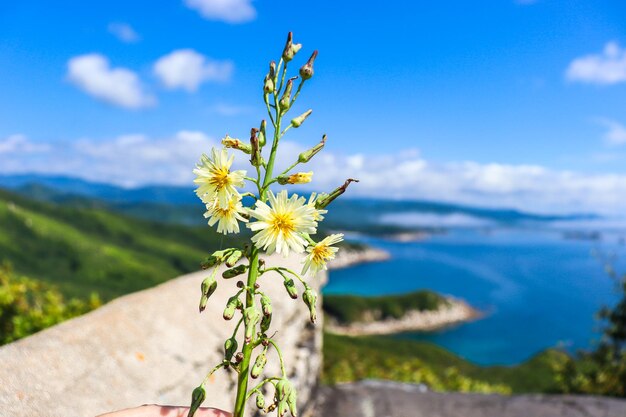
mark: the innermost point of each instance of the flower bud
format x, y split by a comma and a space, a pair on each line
297, 121
266, 305
233, 258
203, 302
256, 159
291, 49
251, 317
215, 258
233, 304
262, 134
297, 178
323, 201
233, 272
291, 288
310, 298
291, 402
258, 366
230, 347
265, 322
285, 100
260, 401
272, 73
233, 143
268, 85
307, 155
208, 286
197, 398
282, 408
278, 393
306, 71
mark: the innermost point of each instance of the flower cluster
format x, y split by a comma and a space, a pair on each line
280, 222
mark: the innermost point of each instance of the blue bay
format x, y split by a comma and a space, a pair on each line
538, 290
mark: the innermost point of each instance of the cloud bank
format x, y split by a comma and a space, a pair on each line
136, 159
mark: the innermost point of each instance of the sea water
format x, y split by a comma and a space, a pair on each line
537, 288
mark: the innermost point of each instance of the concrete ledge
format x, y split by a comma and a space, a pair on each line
149, 347
393, 399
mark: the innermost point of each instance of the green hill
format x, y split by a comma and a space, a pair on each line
383, 357
89, 249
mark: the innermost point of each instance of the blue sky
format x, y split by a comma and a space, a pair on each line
493, 103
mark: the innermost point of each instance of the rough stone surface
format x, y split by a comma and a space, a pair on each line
391, 399
149, 347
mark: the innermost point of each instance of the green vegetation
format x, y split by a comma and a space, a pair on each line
89, 249
420, 362
352, 308
27, 306
601, 371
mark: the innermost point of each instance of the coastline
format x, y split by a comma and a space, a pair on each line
452, 312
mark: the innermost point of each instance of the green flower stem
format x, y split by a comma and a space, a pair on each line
269, 110
282, 78
242, 383
253, 272
280, 358
295, 96
281, 270
218, 366
285, 131
260, 384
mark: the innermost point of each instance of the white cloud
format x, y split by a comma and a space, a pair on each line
608, 67
19, 143
230, 11
187, 69
137, 159
93, 74
124, 32
615, 134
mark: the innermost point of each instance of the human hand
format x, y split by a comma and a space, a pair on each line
153, 410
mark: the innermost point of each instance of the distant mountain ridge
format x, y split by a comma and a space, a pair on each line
179, 204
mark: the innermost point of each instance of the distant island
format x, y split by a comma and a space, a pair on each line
416, 311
